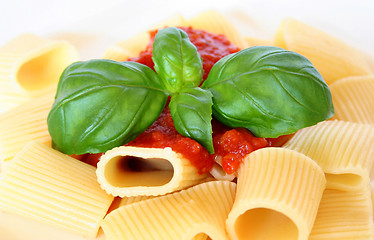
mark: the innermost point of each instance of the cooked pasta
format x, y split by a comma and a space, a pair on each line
46, 185
215, 22
132, 171
131, 47
195, 213
22, 124
333, 58
344, 215
278, 195
353, 99
343, 149
30, 65
314, 187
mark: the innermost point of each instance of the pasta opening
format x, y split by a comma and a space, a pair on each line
346, 179
130, 171
201, 236
265, 224
44, 71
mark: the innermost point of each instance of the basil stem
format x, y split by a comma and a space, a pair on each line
176, 59
101, 104
191, 111
269, 91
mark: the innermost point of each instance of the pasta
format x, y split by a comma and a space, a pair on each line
353, 99
343, 150
46, 185
331, 56
131, 47
215, 22
29, 66
211, 20
315, 186
133, 171
278, 189
344, 215
23, 124
194, 213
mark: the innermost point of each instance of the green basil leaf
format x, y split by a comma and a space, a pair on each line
269, 91
176, 59
101, 104
191, 111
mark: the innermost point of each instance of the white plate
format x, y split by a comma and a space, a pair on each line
99, 26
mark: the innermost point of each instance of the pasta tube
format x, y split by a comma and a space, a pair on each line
353, 99
344, 150
46, 185
30, 65
195, 213
131, 47
344, 215
132, 171
333, 58
23, 124
278, 195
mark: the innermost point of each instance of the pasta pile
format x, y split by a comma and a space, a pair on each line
316, 186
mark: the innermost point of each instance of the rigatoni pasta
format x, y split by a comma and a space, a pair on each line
30, 65
278, 195
344, 215
195, 213
353, 99
279, 189
333, 58
46, 185
131, 171
131, 47
215, 22
23, 124
344, 150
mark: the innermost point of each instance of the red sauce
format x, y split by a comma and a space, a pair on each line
162, 134
231, 145
211, 47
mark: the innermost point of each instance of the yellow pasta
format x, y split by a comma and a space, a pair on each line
278, 195
353, 99
251, 41
132, 171
131, 47
30, 65
333, 58
22, 124
195, 213
344, 216
281, 192
218, 173
213, 21
344, 150
46, 185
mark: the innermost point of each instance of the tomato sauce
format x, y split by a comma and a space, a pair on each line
230, 145
211, 47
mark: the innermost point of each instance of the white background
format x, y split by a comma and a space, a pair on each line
102, 23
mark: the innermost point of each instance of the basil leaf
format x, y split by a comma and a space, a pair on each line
176, 59
269, 91
101, 104
191, 111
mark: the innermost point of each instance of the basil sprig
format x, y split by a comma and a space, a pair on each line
269, 91
176, 60
101, 104
191, 111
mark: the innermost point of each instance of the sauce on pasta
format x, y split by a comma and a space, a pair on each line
230, 145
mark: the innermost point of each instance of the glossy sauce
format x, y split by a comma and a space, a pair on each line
230, 145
